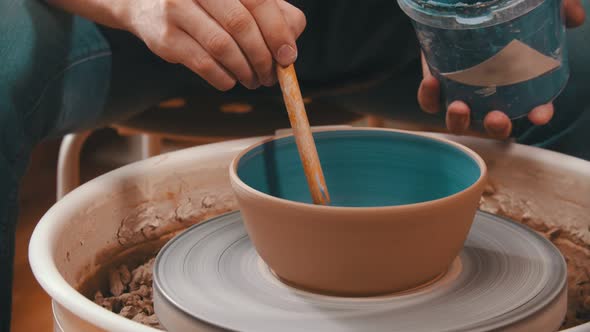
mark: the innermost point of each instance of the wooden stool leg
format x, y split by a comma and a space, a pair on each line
68, 163
151, 145
375, 121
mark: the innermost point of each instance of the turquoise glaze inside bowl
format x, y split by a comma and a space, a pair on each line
363, 168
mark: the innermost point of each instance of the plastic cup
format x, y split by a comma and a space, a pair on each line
507, 55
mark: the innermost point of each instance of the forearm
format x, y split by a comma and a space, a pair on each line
111, 13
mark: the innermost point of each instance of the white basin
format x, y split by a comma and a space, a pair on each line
81, 230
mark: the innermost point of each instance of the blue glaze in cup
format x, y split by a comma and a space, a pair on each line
363, 168
458, 34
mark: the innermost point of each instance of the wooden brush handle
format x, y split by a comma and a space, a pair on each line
303, 136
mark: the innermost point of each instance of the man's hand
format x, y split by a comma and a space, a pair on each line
496, 123
223, 41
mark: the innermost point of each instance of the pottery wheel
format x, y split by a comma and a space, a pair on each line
210, 277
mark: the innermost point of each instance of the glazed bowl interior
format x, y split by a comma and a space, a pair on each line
363, 168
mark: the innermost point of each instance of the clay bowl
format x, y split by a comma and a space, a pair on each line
402, 206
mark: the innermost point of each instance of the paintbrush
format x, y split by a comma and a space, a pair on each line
303, 136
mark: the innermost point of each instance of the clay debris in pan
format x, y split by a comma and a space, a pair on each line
130, 294
576, 254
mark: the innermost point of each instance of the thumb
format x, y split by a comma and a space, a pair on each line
574, 13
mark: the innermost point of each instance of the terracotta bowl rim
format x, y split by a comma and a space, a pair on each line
235, 179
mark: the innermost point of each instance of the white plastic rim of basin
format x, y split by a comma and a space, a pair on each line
43, 241
54, 223
548, 158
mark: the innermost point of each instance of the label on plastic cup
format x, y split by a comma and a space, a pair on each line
516, 63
